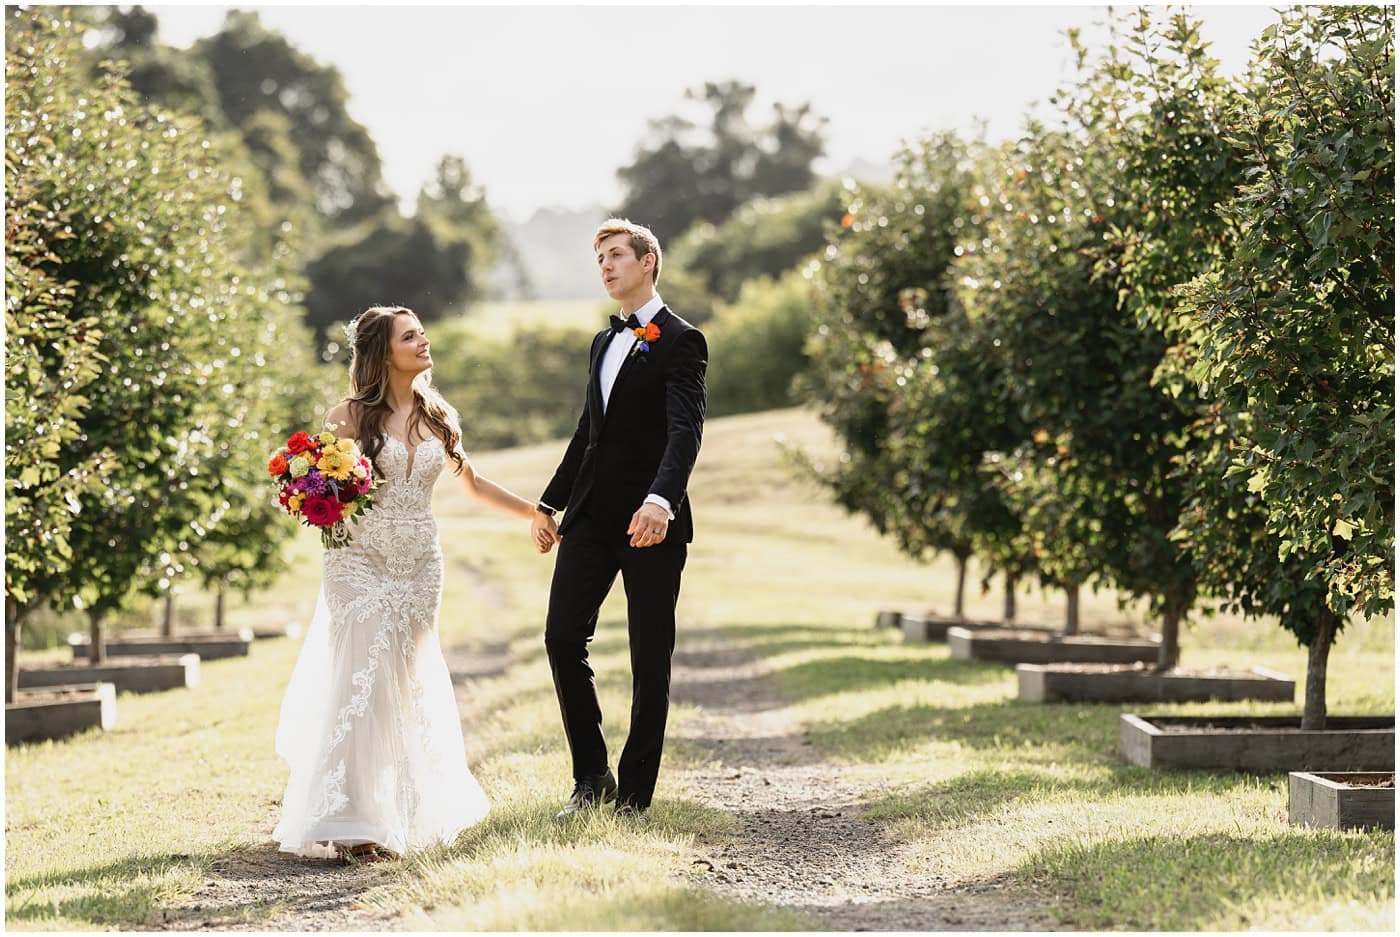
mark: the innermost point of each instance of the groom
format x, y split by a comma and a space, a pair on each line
621, 486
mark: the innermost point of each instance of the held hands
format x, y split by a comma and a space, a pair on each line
544, 531
649, 525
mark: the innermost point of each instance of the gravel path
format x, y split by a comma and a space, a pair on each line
802, 843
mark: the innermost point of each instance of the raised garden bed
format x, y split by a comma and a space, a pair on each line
887, 619
55, 713
206, 646
1125, 683
291, 629
1257, 743
1028, 646
1342, 800
128, 674
919, 628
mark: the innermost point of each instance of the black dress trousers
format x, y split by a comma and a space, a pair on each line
584, 571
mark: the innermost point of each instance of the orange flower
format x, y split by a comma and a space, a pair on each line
652, 332
277, 465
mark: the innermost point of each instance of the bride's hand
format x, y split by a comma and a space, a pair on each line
544, 531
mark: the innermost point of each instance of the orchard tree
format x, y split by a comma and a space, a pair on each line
156, 262
1292, 338
883, 298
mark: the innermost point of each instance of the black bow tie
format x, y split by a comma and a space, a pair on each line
618, 324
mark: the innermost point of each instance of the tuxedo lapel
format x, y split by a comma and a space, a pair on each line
635, 358
595, 386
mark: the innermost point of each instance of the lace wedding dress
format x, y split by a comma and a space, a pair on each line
369, 724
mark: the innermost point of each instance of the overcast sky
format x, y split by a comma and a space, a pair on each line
546, 102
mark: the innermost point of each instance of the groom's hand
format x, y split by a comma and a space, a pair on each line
544, 531
649, 525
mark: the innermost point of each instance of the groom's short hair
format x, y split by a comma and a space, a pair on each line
643, 241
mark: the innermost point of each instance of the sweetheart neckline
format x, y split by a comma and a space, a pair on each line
408, 466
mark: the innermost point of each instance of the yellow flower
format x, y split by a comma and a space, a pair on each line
336, 464
346, 510
295, 501
346, 446
300, 466
327, 438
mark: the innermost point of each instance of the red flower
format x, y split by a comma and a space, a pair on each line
299, 442
277, 465
321, 510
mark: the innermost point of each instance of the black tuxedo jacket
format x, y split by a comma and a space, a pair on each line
649, 438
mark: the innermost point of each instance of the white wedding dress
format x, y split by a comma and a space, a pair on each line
369, 724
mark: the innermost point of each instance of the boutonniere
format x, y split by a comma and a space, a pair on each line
645, 336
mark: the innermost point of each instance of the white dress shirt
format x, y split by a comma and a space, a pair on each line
620, 345
613, 357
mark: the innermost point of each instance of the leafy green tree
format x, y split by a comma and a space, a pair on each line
883, 292
684, 174
457, 207
156, 259
763, 238
757, 346
51, 362
256, 70
1291, 337
409, 262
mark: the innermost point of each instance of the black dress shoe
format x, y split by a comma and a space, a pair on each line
590, 792
626, 810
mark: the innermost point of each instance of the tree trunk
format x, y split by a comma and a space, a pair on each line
962, 582
1072, 608
97, 649
167, 618
14, 618
219, 607
1315, 693
1169, 654
1008, 610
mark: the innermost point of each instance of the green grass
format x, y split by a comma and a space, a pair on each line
106, 830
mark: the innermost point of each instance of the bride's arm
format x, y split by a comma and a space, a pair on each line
488, 492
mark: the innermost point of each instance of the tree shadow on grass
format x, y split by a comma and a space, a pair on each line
1214, 881
125, 893
974, 795
1069, 732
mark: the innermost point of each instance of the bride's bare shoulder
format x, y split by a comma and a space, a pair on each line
340, 419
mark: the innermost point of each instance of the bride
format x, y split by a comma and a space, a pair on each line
369, 724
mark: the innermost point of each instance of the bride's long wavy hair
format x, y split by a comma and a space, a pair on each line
372, 334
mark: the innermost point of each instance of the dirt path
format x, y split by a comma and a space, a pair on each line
802, 843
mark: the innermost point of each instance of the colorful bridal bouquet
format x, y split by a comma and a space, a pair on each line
324, 481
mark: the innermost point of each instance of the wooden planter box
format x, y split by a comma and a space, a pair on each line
887, 619
1025, 646
60, 712
918, 628
1257, 743
207, 647
128, 674
1120, 683
1342, 800
291, 629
